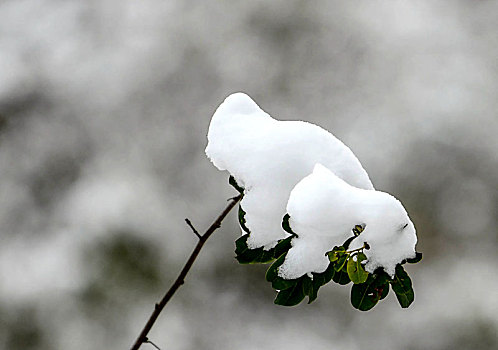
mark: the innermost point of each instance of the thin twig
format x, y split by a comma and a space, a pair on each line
142, 338
147, 340
365, 246
193, 228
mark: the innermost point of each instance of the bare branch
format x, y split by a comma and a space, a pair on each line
142, 338
193, 228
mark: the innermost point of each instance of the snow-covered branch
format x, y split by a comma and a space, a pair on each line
306, 195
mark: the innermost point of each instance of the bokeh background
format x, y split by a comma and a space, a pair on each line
104, 110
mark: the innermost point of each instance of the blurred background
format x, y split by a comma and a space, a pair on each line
104, 110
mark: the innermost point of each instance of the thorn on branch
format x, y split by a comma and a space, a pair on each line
193, 228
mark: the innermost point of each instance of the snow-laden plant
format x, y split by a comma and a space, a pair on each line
310, 209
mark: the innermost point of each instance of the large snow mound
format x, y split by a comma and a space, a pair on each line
269, 157
323, 210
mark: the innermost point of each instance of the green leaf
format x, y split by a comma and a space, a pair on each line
291, 296
241, 244
416, 259
341, 277
365, 296
282, 247
336, 253
384, 289
280, 252
272, 271
292, 292
332, 256
242, 219
402, 286
320, 279
282, 284
381, 283
341, 262
355, 269
357, 230
285, 223
312, 292
245, 255
231, 181
308, 288
272, 276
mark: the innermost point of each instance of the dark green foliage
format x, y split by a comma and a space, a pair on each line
231, 181
245, 255
344, 267
286, 225
242, 220
321, 279
272, 276
293, 295
291, 292
402, 286
365, 296
341, 277
416, 259
283, 246
242, 213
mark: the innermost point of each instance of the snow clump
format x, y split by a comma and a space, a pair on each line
268, 158
323, 209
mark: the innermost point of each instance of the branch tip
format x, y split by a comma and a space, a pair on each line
189, 223
147, 340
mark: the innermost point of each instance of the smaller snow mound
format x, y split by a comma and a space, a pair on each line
323, 210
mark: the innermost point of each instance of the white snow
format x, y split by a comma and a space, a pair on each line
269, 157
323, 210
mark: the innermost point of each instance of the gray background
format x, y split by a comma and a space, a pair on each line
104, 109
